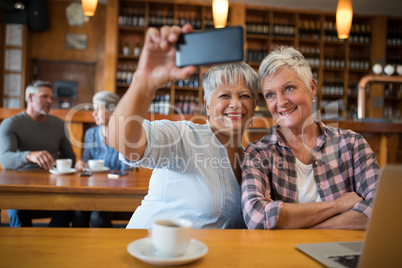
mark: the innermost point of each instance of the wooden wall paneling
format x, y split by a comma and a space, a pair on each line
111, 45
80, 72
378, 55
50, 44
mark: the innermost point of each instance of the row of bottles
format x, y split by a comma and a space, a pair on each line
128, 50
125, 73
256, 55
132, 17
186, 104
311, 54
352, 88
334, 59
394, 58
189, 18
332, 86
394, 37
282, 28
330, 33
310, 29
160, 104
392, 90
360, 33
183, 104
359, 60
392, 109
192, 82
158, 18
257, 25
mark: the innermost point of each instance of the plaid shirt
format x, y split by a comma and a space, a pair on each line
342, 162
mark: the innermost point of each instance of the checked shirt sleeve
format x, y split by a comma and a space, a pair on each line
366, 173
259, 209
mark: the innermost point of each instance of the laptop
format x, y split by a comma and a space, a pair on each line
382, 245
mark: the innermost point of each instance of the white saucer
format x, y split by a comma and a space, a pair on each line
55, 172
144, 250
104, 169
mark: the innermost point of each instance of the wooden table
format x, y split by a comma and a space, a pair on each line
93, 247
41, 190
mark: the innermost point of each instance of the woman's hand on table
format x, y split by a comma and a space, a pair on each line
81, 165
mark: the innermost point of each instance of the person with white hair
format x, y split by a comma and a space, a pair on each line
96, 146
196, 166
33, 139
304, 174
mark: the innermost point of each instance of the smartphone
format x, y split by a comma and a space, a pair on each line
116, 174
86, 174
209, 47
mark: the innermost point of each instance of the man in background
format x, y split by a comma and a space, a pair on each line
33, 139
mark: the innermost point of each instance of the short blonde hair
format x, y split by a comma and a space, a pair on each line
286, 57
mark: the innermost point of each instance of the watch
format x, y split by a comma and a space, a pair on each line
74, 14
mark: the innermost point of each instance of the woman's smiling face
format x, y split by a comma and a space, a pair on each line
230, 109
288, 99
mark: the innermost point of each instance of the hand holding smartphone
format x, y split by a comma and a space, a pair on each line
209, 47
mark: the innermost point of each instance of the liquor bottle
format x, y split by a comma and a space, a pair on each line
129, 18
134, 20
126, 48
166, 104
141, 18
121, 19
137, 48
186, 104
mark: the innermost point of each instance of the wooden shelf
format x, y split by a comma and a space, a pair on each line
263, 23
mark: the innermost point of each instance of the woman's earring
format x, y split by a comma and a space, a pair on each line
251, 123
313, 100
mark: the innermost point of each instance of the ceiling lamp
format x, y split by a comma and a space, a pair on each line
344, 16
89, 7
220, 12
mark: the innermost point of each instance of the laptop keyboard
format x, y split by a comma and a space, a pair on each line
346, 260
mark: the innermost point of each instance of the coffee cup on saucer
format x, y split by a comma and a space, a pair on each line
171, 237
96, 164
63, 165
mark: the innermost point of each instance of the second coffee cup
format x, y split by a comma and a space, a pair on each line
96, 164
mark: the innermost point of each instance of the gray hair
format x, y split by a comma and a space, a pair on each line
107, 99
34, 87
230, 74
286, 57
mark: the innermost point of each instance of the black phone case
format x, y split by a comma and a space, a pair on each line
209, 47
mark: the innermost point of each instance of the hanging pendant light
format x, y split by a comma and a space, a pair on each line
89, 7
220, 12
344, 16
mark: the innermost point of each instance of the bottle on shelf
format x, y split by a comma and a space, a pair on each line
126, 48
141, 18
137, 48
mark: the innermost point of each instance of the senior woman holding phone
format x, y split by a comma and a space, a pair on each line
304, 174
196, 166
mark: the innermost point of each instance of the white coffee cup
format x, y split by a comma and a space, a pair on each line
171, 237
63, 165
96, 164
